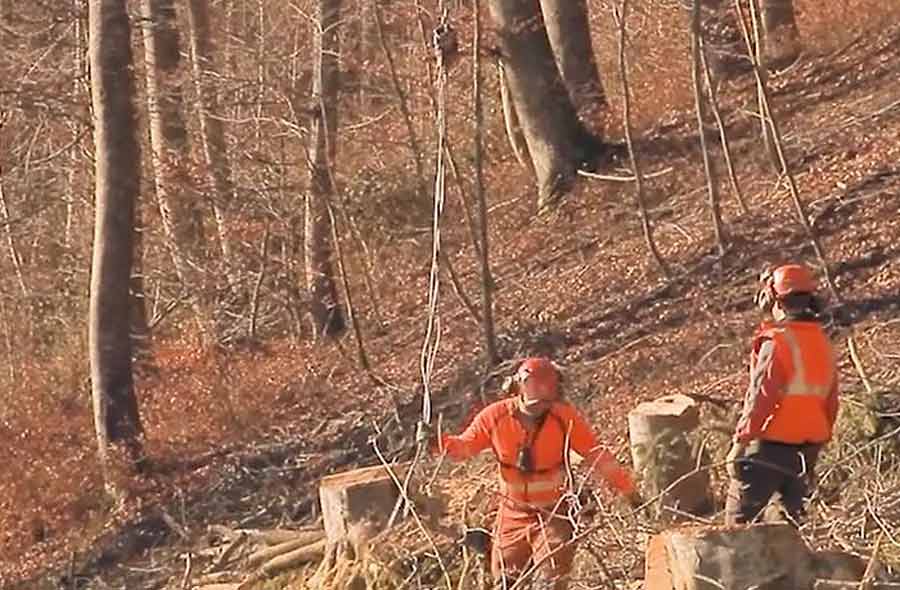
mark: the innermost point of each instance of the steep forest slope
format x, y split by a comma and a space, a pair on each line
241, 431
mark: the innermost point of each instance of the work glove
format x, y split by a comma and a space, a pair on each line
731, 461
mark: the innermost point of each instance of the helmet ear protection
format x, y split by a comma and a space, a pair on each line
765, 295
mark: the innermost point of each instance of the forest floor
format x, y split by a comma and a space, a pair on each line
242, 436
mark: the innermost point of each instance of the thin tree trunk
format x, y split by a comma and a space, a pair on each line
621, 16
212, 133
14, 257
178, 203
117, 178
75, 129
511, 119
781, 39
414, 146
568, 27
712, 180
755, 50
723, 134
325, 311
487, 282
557, 141
140, 326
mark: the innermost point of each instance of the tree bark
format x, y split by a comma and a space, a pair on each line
557, 141
487, 282
781, 39
212, 133
357, 504
511, 120
117, 183
568, 27
178, 202
324, 307
662, 452
764, 556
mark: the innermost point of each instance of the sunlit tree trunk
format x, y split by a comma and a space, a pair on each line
178, 202
324, 306
117, 182
568, 27
212, 133
557, 141
781, 40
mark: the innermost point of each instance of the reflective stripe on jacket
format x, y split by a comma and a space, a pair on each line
497, 427
793, 394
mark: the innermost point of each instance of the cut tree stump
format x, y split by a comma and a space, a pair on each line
760, 556
662, 451
357, 504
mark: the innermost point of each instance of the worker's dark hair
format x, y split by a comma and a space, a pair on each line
801, 304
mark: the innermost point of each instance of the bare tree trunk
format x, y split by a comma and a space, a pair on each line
781, 39
401, 99
325, 311
140, 326
487, 282
568, 27
621, 18
117, 178
511, 119
14, 257
212, 134
558, 142
712, 178
178, 203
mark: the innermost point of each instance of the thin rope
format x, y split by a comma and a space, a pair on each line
433, 327
432, 332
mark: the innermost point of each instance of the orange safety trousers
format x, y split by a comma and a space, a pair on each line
525, 538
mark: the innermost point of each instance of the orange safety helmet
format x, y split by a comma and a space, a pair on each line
788, 279
540, 369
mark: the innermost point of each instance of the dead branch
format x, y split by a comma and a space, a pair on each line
613, 178
229, 551
295, 558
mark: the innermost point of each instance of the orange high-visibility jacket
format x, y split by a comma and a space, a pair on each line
497, 427
793, 392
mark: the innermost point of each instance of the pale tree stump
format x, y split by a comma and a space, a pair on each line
356, 506
759, 556
662, 451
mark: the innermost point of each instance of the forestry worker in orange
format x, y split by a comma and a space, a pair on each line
528, 434
791, 403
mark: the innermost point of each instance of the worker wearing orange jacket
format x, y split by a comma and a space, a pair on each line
528, 434
791, 403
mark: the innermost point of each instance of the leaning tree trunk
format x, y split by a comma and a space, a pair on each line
781, 39
117, 182
557, 141
178, 202
568, 27
212, 134
325, 311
